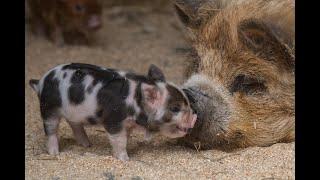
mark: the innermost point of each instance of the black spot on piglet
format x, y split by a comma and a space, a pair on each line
50, 99
92, 120
76, 90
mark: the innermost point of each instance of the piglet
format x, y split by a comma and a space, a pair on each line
120, 101
65, 21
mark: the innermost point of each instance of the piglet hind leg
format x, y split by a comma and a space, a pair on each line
118, 142
51, 130
80, 134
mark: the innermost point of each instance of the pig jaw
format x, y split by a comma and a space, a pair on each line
213, 108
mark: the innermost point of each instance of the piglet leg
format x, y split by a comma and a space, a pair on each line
51, 129
80, 134
147, 136
119, 145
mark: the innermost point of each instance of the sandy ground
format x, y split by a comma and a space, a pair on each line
133, 39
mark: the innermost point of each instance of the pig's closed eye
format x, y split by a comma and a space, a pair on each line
248, 85
175, 109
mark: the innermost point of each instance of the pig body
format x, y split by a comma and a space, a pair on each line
65, 21
120, 101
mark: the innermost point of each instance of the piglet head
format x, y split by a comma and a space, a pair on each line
167, 107
178, 122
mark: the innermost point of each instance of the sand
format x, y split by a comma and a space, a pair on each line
133, 38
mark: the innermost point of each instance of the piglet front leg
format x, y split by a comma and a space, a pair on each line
148, 136
119, 145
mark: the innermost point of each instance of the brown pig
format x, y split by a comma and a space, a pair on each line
65, 21
241, 72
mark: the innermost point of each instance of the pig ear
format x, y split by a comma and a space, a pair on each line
261, 38
151, 95
156, 74
192, 13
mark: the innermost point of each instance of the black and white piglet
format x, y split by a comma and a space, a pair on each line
120, 101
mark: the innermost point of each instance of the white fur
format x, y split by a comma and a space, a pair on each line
122, 73
130, 101
197, 79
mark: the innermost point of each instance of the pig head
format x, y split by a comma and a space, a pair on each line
240, 71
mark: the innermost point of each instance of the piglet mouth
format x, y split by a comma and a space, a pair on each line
183, 129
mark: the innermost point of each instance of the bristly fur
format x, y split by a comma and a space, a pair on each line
245, 50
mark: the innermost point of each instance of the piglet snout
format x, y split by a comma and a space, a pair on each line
190, 124
193, 121
94, 22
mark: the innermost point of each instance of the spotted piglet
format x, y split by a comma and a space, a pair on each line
120, 101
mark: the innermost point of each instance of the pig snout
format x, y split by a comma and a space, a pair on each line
94, 22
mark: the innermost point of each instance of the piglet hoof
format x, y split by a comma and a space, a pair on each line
86, 144
53, 150
148, 137
122, 157
53, 145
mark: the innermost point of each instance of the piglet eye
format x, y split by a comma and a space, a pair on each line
175, 109
79, 8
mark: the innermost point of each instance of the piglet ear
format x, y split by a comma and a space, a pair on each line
156, 74
151, 95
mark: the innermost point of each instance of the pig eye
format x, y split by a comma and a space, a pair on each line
247, 85
175, 109
79, 8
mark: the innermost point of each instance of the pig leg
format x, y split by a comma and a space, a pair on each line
56, 36
51, 130
54, 30
80, 134
119, 145
37, 27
